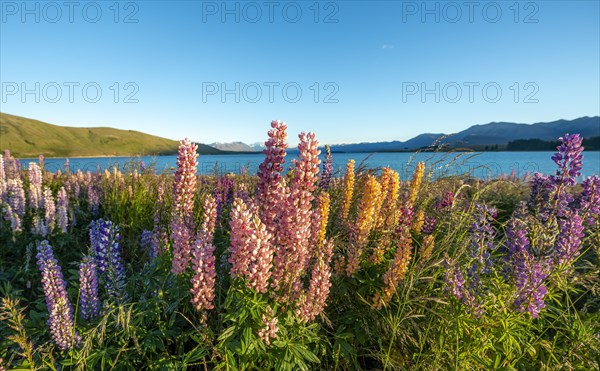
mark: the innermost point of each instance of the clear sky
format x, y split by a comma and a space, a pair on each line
361, 66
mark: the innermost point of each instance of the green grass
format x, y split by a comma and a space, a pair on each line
30, 138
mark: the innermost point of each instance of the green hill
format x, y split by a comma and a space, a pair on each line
29, 138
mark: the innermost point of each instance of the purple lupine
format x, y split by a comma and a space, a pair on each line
223, 193
482, 236
89, 302
15, 204
146, 244
49, 208
327, 170
93, 197
62, 212
39, 226
2, 179
569, 238
455, 283
569, 158
429, 224
529, 273
60, 320
35, 186
589, 200
105, 248
445, 202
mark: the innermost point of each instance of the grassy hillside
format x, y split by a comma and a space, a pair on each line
28, 138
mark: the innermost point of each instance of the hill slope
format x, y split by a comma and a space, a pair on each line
29, 138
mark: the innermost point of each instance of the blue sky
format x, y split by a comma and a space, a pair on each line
361, 66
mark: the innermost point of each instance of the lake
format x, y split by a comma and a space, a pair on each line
477, 164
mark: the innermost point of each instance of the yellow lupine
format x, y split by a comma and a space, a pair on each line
415, 183
364, 222
418, 221
390, 185
348, 189
324, 202
426, 248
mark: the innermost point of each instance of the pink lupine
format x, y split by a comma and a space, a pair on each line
251, 247
184, 182
184, 187
271, 185
203, 281
35, 185
270, 329
49, 208
62, 212
203, 260
314, 301
210, 218
182, 236
294, 228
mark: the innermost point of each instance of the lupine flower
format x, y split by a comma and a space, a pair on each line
418, 221
182, 235
269, 331
14, 209
294, 227
62, 213
146, 244
589, 203
159, 235
327, 170
105, 248
426, 248
223, 194
415, 183
271, 187
541, 188
321, 218
2, 179
251, 247
429, 224
39, 226
35, 186
60, 320
390, 188
399, 265
41, 161
210, 218
93, 197
203, 281
482, 236
568, 241
455, 283
364, 222
314, 301
528, 273
569, 159
89, 302
445, 202
348, 189
49, 208
184, 187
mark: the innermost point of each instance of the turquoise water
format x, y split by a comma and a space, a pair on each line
480, 165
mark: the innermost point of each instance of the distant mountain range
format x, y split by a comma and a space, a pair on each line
479, 137
28, 138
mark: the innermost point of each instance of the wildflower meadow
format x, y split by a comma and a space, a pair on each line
299, 266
